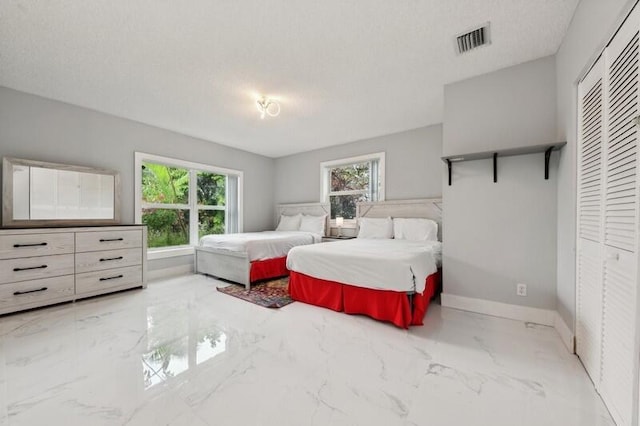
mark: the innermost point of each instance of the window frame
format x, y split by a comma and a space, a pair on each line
325, 184
192, 205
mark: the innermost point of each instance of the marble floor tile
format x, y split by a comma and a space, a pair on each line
182, 353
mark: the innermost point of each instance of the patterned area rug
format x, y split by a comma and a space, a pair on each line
270, 294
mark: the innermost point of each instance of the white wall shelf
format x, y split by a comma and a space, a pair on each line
546, 148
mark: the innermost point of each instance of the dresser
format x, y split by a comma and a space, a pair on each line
44, 266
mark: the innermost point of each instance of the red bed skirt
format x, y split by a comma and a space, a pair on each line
384, 305
269, 268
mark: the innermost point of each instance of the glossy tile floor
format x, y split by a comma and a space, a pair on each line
181, 353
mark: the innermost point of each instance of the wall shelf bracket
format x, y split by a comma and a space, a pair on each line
495, 167
546, 148
547, 158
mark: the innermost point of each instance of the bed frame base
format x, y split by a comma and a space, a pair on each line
237, 266
225, 265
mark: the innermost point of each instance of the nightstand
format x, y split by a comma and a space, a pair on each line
333, 238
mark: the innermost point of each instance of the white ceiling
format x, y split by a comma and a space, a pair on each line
343, 70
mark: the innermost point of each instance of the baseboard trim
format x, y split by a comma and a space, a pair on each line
499, 309
566, 335
174, 271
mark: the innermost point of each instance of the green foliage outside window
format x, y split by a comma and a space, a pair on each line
166, 227
351, 177
211, 189
170, 185
345, 205
164, 184
354, 177
211, 192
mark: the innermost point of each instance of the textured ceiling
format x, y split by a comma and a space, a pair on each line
343, 70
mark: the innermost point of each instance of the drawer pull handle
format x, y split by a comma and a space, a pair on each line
106, 259
27, 269
29, 245
106, 240
18, 293
112, 278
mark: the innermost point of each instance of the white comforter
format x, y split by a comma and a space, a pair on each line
260, 245
381, 264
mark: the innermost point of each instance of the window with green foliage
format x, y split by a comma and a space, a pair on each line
180, 202
351, 180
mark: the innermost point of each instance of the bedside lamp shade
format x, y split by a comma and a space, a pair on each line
339, 223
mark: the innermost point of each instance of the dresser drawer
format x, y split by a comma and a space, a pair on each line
107, 240
101, 260
31, 268
14, 297
95, 282
28, 245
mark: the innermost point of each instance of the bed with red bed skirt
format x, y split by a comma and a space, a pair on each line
268, 268
251, 256
391, 281
399, 308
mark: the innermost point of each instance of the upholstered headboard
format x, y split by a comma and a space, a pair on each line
311, 209
429, 208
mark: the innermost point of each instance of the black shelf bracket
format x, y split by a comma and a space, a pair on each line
547, 157
532, 149
495, 167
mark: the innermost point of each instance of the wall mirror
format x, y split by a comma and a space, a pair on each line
36, 193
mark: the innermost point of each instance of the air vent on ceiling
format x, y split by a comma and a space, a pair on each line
473, 39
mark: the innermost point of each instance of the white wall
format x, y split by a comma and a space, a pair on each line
593, 24
413, 166
512, 107
42, 129
499, 234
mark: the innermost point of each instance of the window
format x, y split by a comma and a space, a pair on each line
180, 201
346, 182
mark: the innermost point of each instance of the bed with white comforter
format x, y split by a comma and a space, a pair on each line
379, 264
254, 256
260, 245
390, 272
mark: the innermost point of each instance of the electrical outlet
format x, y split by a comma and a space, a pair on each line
521, 289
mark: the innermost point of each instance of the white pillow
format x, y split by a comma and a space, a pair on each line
415, 229
375, 228
313, 224
289, 223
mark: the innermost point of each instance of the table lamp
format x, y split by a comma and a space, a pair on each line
339, 223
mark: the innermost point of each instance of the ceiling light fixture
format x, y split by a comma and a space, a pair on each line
268, 107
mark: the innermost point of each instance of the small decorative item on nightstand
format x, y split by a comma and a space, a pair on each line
339, 223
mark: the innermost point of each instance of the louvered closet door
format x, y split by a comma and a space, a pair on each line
619, 346
590, 221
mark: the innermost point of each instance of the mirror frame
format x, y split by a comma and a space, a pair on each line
7, 195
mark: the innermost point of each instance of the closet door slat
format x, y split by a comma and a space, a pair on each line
591, 164
590, 220
620, 264
621, 108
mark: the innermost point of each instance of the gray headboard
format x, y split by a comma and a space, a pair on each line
311, 209
429, 208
